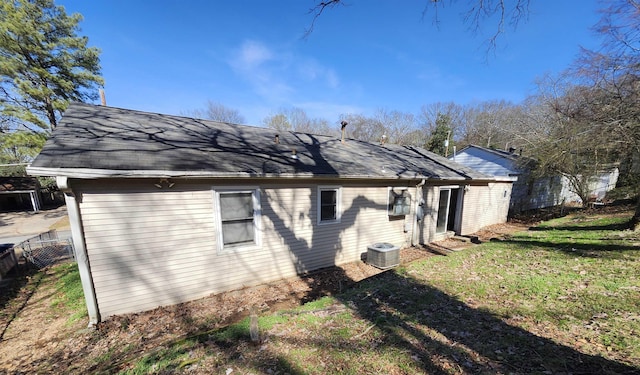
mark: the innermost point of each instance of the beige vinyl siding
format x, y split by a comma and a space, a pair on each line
427, 227
290, 221
149, 247
485, 205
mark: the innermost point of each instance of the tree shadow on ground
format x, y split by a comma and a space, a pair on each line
432, 324
15, 293
568, 240
440, 333
602, 250
578, 228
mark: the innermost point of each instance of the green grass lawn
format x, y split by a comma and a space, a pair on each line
561, 298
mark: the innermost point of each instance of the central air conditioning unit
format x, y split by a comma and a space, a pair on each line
383, 255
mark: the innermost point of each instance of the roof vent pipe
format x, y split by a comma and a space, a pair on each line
383, 139
276, 139
103, 98
344, 125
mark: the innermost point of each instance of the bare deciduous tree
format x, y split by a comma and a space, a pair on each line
572, 145
612, 75
396, 127
429, 115
296, 119
364, 128
505, 13
492, 124
217, 112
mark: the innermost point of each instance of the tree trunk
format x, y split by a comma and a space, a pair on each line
51, 114
635, 221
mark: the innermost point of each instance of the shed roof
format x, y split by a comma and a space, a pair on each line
18, 184
98, 141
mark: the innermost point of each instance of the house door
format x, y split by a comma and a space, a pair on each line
447, 208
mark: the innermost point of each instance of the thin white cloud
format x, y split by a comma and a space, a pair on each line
312, 70
279, 76
332, 78
252, 54
257, 64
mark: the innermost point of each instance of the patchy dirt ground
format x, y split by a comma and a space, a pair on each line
33, 336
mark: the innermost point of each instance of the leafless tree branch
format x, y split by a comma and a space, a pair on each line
508, 13
317, 10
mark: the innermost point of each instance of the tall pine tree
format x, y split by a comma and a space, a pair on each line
44, 64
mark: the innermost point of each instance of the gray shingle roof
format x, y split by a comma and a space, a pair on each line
103, 141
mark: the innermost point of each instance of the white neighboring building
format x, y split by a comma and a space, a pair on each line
529, 194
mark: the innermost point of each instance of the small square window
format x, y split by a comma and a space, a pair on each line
328, 204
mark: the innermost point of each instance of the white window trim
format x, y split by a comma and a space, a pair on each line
338, 190
257, 214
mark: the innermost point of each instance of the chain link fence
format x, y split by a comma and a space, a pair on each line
46, 249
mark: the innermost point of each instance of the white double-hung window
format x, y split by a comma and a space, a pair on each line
238, 219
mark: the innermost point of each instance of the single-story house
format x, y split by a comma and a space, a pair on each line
20, 193
165, 209
529, 193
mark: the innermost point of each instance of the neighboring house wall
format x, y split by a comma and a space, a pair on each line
542, 192
530, 193
605, 183
556, 190
149, 247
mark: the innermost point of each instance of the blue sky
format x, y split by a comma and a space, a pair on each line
173, 56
